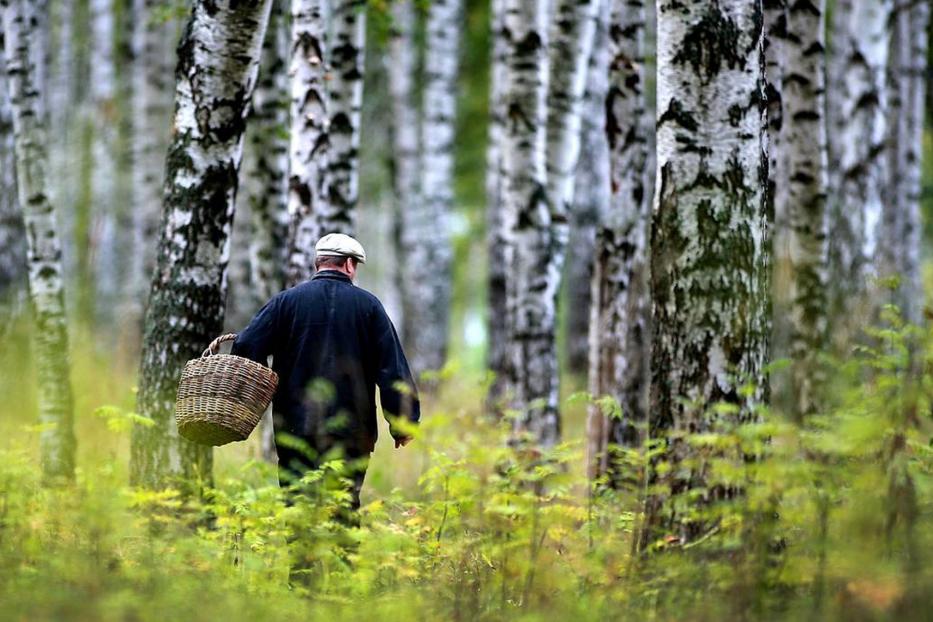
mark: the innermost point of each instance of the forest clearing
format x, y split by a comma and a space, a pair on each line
640, 291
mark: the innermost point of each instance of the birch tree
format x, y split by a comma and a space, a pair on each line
103, 114
591, 195
426, 253
152, 44
857, 116
710, 249
308, 149
571, 42
345, 52
12, 233
775, 21
804, 146
50, 340
530, 379
496, 238
267, 182
619, 328
218, 59
901, 224
401, 63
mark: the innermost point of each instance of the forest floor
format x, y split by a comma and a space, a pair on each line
833, 519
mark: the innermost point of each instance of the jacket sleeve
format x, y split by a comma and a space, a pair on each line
257, 341
397, 390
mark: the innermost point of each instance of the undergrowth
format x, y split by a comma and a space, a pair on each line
829, 519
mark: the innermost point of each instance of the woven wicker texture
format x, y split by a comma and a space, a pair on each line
222, 397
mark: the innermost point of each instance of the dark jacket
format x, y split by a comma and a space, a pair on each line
332, 344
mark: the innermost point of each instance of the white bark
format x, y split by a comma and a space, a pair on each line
218, 59
153, 62
528, 227
308, 147
571, 43
590, 197
857, 115
900, 228
345, 52
400, 66
56, 440
12, 232
497, 320
267, 179
804, 145
426, 252
103, 113
775, 16
710, 252
267, 182
619, 329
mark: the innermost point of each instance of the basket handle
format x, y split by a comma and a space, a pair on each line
215, 345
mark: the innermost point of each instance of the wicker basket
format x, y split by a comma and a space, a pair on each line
221, 397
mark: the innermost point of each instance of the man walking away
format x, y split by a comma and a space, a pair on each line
332, 344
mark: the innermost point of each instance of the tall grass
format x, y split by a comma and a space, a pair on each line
826, 520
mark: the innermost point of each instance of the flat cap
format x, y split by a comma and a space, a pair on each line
340, 245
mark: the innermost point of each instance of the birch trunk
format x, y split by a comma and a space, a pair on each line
571, 43
619, 329
496, 240
710, 245
857, 115
50, 343
804, 145
901, 225
308, 147
426, 250
345, 99
12, 232
152, 45
104, 155
531, 382
400, 65
591, 196
218, 58
775, 17
267, 182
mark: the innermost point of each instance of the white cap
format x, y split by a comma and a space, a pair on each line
340, 245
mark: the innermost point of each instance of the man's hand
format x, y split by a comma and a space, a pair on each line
402, 441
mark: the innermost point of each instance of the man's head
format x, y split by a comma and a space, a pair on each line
336, 251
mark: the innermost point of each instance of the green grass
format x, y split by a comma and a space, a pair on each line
829, 521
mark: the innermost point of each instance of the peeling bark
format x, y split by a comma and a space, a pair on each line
901, 226
529, 228
309, 147
218, 58
46, 290
804, 146
619, 328
710, 244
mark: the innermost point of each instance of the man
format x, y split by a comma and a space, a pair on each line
332, 344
